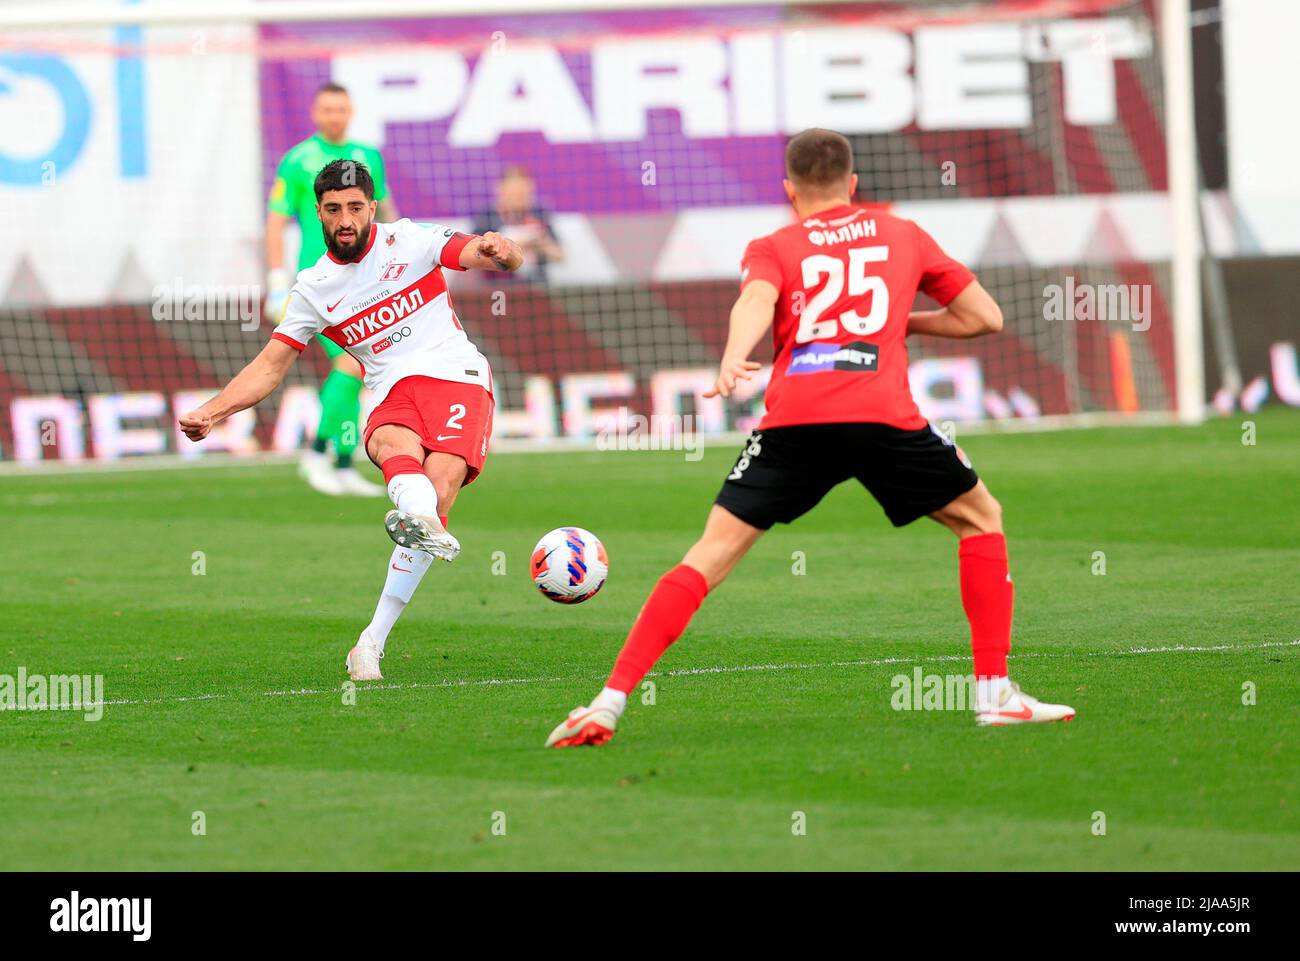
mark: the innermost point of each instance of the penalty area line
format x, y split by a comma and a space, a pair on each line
724, 669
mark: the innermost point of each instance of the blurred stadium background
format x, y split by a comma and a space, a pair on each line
1049, 144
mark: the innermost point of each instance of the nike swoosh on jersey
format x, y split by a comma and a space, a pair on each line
336, 303
448, 436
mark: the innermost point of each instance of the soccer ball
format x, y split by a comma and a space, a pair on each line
569, 565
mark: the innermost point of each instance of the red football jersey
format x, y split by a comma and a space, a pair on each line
847, 280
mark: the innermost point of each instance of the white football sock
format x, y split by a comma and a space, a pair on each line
988, 691
616, 701
414, 494
405, 570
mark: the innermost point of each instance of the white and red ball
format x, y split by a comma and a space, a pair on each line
569, 565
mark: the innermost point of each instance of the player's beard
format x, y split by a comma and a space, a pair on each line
352, 250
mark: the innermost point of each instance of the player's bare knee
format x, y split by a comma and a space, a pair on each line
975, 512
983, 513
994, 519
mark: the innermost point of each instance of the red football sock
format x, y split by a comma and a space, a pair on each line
987, 594
443, 519
400, 464
666, 613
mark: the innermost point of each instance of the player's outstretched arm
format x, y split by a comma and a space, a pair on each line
248, 388
971, 313
751, 316
492, 251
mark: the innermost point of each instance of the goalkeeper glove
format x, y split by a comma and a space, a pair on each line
277, 293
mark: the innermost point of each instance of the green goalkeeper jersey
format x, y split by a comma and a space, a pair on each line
293, 193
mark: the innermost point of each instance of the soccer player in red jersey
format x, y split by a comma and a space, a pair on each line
837, 287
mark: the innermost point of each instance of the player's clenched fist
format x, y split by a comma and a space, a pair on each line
730, 372
492, 251
195, 425
493, 244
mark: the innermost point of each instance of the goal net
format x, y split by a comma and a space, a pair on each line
1028, 138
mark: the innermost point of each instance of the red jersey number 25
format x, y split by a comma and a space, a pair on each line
811, 326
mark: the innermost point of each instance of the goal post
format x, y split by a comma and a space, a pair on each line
1185, 219
1048, 144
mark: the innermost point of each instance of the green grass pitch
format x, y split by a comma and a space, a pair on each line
776, 702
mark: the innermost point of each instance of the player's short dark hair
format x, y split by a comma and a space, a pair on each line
818, 158
331, 87
342, 174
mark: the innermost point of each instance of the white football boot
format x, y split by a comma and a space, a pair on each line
421, 533
592, 726
1016, 707
363, 662
317, 470
351, 482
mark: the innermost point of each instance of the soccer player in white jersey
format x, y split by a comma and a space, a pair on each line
379, 293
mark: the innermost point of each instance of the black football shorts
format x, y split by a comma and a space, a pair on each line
783, 472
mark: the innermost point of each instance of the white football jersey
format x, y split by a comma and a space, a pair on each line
389, 309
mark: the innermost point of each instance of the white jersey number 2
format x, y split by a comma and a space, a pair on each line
811, 326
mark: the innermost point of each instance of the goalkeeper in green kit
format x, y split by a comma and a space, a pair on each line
293, 196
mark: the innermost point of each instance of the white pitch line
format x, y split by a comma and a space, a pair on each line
731, 669
877, 662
